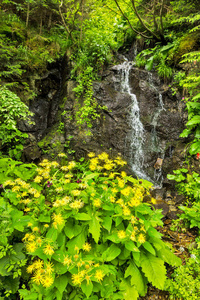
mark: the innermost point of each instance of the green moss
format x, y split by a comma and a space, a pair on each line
186, 44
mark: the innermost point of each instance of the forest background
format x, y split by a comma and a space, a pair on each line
49, 262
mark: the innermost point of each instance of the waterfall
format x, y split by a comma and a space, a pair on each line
137, 130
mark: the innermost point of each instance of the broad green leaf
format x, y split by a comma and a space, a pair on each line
111, 253
185, 133
28, 295
78, 241
154, 269
71, 229
195, 120
3, 263
149, 247
136, 278
82, 217
169, 257
130, 245
52, 234
129, 292
107, 223
61, 282
94, 228
87, 288
194, 149
61, 269
44, 218
154, 233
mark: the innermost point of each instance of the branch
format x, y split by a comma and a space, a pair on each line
63, 20
161, 13
140, 33
154, 12
141, 21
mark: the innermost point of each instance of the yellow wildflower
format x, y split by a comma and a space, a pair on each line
31, 237
62, 155
31, 247
67, 261
16, 188
77, 279
38, 264
132, 237
38, 179
123, 174
141, 238
121, 183
49, 268
126, 191
30, 268
37, 278
8, 182
97, 202
67, 181
54, 164
99, 275
27, 209
87, 277
47, 281
48, 249
76, 204
87, 247
75, 192
58, 219
57, 203
71, 165
126, 211
35, 228
91, 154
92, 167
39, 241
103, 156
121, 234
112, 199
134, 202
37, 195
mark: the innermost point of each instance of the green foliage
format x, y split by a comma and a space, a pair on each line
192, 84
86, 229
87, 107
156, 57
191, 215
184, 282
187, 184
12, 110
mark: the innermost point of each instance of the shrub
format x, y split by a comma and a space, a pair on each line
89, 233
184, 282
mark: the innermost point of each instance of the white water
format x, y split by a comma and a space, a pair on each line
137, 129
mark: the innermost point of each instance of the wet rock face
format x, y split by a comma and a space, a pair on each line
161, 114
45, 105
163, 122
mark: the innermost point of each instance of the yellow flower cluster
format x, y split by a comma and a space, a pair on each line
42, 272
102, 161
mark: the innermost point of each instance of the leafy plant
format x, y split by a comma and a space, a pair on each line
12, 109
90, 234
156, 57
187, 184
185, 280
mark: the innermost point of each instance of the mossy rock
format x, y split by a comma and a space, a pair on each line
188, 43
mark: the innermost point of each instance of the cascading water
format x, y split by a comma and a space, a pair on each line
137, 129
